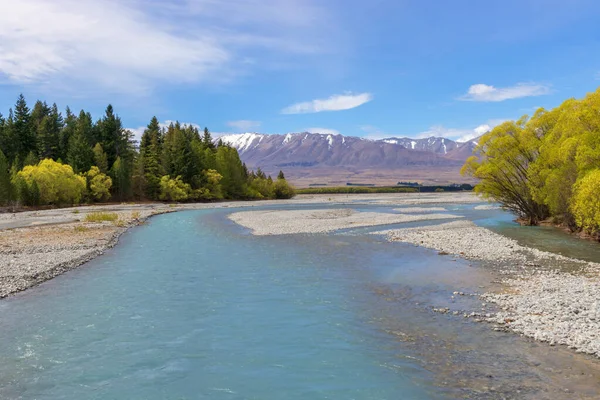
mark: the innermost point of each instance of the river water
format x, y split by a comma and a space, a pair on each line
191, 306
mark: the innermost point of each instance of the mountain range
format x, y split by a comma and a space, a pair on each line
317, 159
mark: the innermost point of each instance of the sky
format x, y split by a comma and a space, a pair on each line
374, 69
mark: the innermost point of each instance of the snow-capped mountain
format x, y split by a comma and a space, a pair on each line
433, 144
302, 154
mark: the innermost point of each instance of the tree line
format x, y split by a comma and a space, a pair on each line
545, 167
50, 158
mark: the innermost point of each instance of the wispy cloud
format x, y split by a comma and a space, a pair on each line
244, 125
336, 102
488, 93
131, 47
326, 131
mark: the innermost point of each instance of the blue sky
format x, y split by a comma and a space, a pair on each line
365, 68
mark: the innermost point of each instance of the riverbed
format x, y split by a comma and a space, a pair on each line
193, 305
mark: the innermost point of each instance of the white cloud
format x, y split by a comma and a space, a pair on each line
133, 46
459, 135
482, 92
336, 102
326, 131
244, 125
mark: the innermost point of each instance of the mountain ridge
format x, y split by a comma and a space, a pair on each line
338, 159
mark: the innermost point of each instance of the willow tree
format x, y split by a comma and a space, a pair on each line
502, 163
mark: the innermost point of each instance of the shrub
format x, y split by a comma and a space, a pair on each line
283, 190
99, 184
50, 182
101, 217
439, 190
174, 189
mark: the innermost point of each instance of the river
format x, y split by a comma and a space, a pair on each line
191, 306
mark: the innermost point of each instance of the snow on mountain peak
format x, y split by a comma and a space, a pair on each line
242, 141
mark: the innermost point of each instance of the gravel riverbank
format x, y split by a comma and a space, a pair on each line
285, 222
540, 299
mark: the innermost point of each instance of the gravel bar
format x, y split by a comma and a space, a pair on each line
539, 299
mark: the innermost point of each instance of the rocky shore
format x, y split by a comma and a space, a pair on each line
286, 222
544, 296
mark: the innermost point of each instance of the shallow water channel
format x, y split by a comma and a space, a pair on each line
191, 306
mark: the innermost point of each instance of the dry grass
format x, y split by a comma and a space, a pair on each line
101, 217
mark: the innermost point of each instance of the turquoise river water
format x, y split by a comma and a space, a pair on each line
191, 306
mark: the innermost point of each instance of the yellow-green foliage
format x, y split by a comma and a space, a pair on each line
540, 167
261, 188
174, 189
57, 182
585, 204
101, 217
283, 190
99, 184
212, 187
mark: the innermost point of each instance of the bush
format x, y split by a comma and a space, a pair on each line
99, 184
585, 203
283, 190
261, 188
50, 182
212, 188
174, 189
101, 217
438, 190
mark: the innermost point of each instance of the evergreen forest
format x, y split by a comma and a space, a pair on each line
47, 158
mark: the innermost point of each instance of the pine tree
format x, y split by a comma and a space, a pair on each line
150, 151
24, 139
207, 139
65, 134
138, 179
230, 167
100, 159
47, 141
80, 155
281, 175
114, 139
38, 113
31, 159
121, 178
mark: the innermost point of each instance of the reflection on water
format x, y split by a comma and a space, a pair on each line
191, 306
